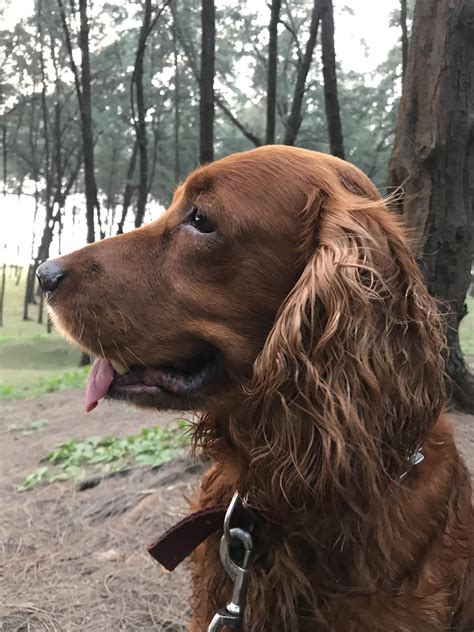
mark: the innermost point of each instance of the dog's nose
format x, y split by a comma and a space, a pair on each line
50, 275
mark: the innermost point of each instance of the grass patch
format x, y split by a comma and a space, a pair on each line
29, 428
71, 460
29, 356
48, 384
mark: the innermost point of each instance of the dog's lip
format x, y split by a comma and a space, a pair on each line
113, 379
169, 378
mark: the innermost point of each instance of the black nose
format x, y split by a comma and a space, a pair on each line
50, 275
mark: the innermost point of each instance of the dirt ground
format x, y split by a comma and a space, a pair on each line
75, 560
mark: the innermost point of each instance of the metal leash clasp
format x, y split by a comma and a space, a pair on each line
231, 615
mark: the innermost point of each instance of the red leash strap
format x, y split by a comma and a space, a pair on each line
180, 540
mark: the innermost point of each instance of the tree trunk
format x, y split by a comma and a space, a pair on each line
29, 289
129, 187
272, 70
83, 91
92, 203
293, 122
333, 114
206, 102
5, 157
140, 125
2, 292
403, 24
177, 105
433, 161
137, 93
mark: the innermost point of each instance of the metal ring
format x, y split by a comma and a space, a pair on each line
228, 514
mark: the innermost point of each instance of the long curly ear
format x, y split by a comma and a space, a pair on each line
351, 376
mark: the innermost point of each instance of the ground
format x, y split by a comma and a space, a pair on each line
76, 561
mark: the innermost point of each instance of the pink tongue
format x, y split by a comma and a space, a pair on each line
98, 382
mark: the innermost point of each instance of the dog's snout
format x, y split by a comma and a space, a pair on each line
50, 274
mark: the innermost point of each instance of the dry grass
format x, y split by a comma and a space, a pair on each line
77, 561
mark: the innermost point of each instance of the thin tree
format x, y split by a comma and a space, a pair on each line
206, 82
433, 163
186, 43
272, 70
2, 291
293, 122
333, 114
139, 112
404, 27
130, 187
82, 82
176, 105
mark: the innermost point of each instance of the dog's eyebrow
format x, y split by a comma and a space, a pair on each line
198, 184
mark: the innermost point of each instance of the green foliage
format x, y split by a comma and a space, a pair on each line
69, 379
151, 446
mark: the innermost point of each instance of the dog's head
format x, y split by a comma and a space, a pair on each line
277, 281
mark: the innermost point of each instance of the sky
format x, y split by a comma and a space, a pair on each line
363, 39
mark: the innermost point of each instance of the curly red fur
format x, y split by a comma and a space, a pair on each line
332, 378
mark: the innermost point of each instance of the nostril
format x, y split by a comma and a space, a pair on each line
50, 275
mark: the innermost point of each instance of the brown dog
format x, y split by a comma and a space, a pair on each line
279, 295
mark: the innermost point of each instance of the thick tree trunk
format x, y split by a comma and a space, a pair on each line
433, 162
206, 103
333, 114
272, 70
294, 119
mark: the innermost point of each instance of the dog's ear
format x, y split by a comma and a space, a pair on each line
350, 379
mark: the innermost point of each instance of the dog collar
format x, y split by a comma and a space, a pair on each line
180, 540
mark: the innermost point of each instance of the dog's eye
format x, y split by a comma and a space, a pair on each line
200, 222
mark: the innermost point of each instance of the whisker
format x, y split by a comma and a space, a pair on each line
135, 355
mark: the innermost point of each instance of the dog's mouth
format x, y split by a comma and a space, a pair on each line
149, 385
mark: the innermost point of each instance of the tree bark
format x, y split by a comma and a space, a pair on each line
433, 163
293, 122
333, 114
403, 25
206, 102
272, 70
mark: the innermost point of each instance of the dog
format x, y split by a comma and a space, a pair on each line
278, 296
